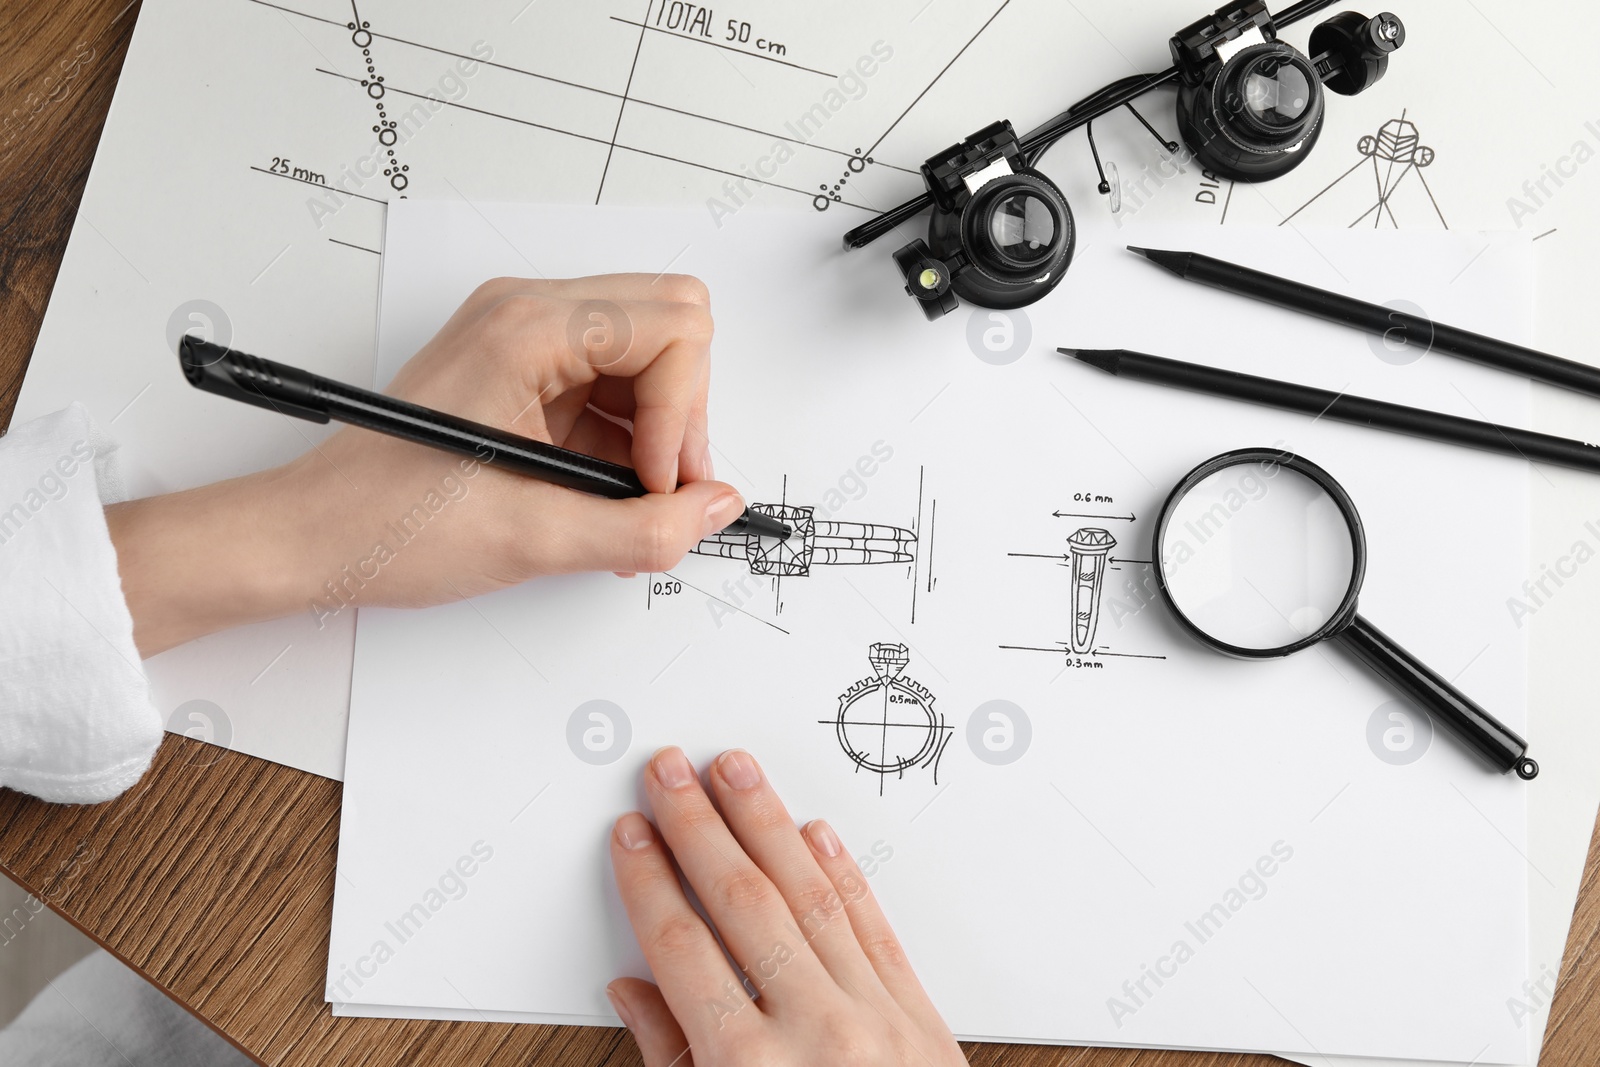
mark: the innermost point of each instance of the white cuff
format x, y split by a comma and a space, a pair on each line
76, 722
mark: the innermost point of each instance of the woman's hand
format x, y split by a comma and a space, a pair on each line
795, 913
615, 366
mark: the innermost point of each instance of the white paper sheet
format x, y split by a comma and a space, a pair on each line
1031, 892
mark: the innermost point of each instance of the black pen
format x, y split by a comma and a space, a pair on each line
228, 372
1398, 326
1418, 422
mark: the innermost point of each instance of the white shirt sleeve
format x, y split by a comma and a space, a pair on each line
76, 721
101, 1014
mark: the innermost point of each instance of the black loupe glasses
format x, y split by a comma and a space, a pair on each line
1250, 106
1260, 553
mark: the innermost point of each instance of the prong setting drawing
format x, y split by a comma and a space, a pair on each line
1089, 548
1088, 559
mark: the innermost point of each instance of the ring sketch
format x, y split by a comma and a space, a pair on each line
1088, 549
1088, 558
1396, 152
813, 543
820, 540
886, 722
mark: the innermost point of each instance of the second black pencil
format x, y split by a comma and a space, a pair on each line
1363, 411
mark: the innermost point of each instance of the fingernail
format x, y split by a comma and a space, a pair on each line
722, 512
822, 838
633, 830
672, 768
626, 574
620, 1007
739, 770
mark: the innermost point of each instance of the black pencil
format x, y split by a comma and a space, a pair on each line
1397, 326
1418, 422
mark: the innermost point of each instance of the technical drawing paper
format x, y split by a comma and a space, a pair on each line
1158, 776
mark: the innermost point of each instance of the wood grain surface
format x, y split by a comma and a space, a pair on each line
214, 876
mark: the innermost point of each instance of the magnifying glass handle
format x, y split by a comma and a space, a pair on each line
1488, 736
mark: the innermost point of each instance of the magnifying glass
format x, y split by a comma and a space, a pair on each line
1260, 553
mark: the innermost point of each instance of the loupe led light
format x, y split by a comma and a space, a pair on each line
1259, 554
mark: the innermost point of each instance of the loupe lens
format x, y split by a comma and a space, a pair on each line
1258, 557
1021, 227
1012, 241
1256, 116
1276, 93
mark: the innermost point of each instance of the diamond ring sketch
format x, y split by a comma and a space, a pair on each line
1088, 558
1395, 151
886, 722
814, 542
1089, 548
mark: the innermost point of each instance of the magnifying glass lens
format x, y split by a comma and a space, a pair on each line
1257, 561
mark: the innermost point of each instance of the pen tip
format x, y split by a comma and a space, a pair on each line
762, 525
1136, 250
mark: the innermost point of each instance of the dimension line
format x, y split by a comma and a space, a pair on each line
317, 185
580, 136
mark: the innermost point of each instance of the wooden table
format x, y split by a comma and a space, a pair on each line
215, 879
